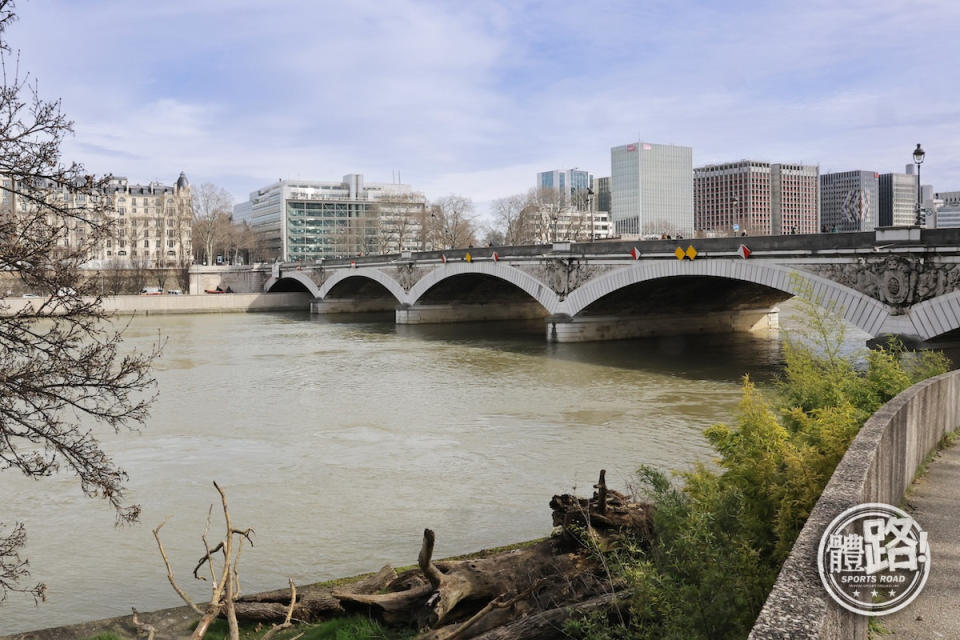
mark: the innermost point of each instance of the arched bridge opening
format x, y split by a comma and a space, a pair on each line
693, 294
289, 285
472, 297
674, 305
356, 293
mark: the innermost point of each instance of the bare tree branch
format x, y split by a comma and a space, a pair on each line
63, 368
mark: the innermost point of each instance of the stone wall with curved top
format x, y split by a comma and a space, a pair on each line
879, 465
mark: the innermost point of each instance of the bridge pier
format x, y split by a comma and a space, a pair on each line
351, 305
443, 313
563, 328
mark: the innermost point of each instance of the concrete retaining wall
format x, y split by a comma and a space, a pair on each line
203, 303
878, 467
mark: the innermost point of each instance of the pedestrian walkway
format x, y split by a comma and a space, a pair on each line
934, 501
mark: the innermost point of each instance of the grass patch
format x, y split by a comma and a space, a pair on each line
875, 629
104, 636
350, 628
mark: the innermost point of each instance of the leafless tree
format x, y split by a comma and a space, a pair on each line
451, 223
399, 218
63, 372
514, 218
212, 220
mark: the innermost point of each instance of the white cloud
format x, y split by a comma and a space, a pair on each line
475, 98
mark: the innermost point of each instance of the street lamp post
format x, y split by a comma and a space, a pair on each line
735, 201
918, 155
591, 212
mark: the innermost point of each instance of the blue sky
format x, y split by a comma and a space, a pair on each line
475, 97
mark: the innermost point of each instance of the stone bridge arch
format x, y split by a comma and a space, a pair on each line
858, 309
368, 273
298, 276
936, 317
520, 279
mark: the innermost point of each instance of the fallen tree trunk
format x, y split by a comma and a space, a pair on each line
306, 609
451, 592
311, 604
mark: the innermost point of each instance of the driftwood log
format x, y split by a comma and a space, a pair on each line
522, 594
607, 511
310, 604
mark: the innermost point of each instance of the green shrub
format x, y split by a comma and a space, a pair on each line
723, 534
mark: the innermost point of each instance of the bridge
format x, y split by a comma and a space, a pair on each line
901, 281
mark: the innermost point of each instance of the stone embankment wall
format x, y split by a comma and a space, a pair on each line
203, 303
878, 467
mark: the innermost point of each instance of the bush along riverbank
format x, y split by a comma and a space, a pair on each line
692, 556
721, 533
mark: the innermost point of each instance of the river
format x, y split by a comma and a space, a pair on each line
339, 440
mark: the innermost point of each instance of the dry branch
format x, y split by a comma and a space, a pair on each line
173, 583
286, 624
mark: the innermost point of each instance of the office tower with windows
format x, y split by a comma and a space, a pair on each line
651, 189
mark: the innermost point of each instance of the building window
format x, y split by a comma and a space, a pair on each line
146, 244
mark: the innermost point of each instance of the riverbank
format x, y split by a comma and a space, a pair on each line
178, 622
203, 303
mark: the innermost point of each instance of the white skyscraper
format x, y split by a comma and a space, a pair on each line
651, 189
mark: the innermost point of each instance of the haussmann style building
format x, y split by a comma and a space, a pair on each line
152, 223
300, 220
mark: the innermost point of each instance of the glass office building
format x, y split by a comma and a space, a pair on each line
300, 220
651, 189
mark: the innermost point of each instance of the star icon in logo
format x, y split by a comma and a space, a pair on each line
874, 593
892, 593
856, 594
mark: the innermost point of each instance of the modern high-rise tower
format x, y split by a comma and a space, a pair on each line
898, 199
651, 189
849, 201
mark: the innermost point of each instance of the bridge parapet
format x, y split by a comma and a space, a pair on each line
878, 466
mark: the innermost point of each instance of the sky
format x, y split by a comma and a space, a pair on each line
474, 98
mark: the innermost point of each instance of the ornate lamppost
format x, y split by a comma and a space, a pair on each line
918, 155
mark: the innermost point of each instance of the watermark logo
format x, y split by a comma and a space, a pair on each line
874, 559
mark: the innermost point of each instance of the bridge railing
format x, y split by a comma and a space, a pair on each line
819, 242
